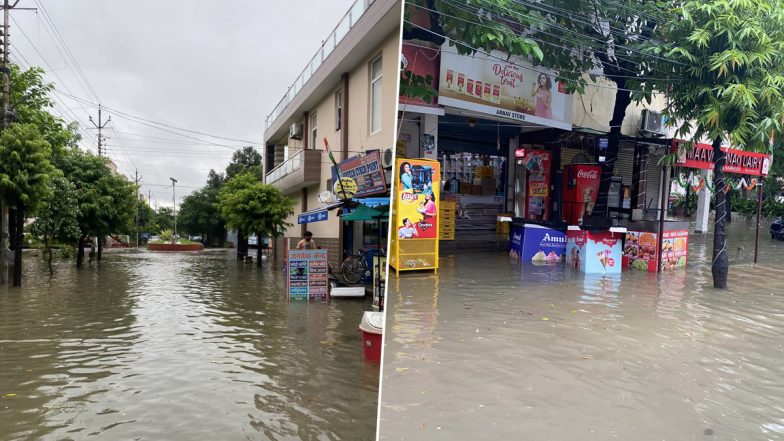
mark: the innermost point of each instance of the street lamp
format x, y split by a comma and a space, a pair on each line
174, 209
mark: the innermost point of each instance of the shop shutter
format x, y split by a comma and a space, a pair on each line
653, 189
624, 167
568, 156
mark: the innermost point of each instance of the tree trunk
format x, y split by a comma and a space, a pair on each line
100, 248
242, 246
48, 254
80, 251
258, 250
622, 100
12, 227
720, 263
19, 242
728, 198
3, 239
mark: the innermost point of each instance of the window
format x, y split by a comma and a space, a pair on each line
375, 95
338, 109
313, 130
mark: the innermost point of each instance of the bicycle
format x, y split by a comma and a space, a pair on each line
355, 267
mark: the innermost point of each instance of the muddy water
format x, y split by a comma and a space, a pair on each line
176, 346
491, 350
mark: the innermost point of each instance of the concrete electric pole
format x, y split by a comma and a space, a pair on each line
6, 70
139, 197
100, 127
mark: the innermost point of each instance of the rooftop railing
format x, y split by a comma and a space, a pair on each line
335, 37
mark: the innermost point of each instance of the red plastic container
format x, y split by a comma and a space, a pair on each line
372, 327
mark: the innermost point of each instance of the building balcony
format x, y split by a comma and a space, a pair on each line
301, 170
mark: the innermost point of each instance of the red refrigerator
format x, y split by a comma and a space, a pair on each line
581, 186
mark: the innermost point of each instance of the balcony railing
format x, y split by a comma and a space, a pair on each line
300, 170
335, 37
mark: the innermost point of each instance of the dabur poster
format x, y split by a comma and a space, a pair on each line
417, 193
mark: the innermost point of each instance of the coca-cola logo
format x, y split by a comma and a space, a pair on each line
587, 174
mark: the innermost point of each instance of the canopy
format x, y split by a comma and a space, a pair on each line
363, 213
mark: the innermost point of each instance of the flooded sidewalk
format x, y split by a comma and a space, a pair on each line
489, 349
177, 346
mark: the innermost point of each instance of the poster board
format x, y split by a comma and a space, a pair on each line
593, 252
415, 214
308, 275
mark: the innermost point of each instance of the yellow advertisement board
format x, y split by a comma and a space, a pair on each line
415, 214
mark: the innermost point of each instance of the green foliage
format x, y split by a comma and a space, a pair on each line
166, 235
247, 160
417, 86
252, 206
25, 168
57, 216
199, 213
728, 75
67, 251
164, 218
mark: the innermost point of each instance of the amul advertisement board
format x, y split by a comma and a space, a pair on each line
366, 171
537, 244
308, 275
417, 193
495, 84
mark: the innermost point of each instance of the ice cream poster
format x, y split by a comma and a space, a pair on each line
537, 244
417, 198
594, 252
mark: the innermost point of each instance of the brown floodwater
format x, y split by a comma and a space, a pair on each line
154, 346
487, 349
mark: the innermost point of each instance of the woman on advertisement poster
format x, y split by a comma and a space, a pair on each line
428, 207
406, 177
542, 91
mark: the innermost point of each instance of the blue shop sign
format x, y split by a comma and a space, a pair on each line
312, 216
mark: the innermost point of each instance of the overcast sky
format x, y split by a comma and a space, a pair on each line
214, 67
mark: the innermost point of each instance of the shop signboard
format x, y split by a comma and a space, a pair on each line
366, 172
537, 244
308, 275
417, 193
738, 161
502, 86
594, 252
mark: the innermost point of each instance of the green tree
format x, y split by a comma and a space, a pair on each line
727, 85
25, 173
254, 207
56, 220
164, 219
199, 214
243, 161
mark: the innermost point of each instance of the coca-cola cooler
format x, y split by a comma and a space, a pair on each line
581, 186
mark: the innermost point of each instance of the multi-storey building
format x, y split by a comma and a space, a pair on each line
346, 95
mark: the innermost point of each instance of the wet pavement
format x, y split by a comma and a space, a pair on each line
487, 349
179, 346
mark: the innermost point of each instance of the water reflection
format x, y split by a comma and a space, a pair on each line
175, 346
539, 352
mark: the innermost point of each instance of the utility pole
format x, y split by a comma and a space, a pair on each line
138, 197
174, 209
6, 70
100, 127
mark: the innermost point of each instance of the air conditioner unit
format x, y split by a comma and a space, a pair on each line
652, 123
387, 156
295, 131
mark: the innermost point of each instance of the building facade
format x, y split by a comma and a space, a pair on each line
346, 95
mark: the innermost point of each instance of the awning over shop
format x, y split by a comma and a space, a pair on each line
365, 213
373, 202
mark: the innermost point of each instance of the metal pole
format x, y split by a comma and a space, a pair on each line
759, 212
6, 100
174, 209
665, 194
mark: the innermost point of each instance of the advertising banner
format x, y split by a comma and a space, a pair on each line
497, 85
594, 252
366, 171
537, 166
418, 183
308, 275
537, 244
420, 61
738, 161
675, 249
640, 250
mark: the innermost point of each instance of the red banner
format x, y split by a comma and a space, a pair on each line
738, 161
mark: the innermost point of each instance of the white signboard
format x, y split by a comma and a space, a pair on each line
503, 87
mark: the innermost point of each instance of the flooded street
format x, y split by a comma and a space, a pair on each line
487, 349
179, 346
